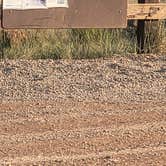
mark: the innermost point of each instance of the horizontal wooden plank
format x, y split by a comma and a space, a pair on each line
80, 14
146, 11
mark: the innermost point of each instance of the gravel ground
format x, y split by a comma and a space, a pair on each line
83, 112
117, 79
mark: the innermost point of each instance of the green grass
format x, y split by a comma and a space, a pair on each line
57, 44
77, 43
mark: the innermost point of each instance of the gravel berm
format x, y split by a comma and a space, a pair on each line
136, 78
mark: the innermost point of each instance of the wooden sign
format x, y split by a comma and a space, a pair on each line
72, 14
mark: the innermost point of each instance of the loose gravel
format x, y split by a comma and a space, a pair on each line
83, 112
134, 78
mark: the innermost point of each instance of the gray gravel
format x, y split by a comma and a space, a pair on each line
117, 79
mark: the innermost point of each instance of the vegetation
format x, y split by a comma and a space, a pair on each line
76, 44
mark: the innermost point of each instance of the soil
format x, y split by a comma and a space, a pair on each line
83, 112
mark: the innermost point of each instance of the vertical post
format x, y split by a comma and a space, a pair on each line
1, 32
141, 30
140, 33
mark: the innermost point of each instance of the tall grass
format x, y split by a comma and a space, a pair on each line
78, 43
75, 43
155, 37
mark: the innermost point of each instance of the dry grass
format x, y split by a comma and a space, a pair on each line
92, 43
66, 43
77, 44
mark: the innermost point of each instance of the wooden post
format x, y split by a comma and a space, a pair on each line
0, 17
1, 33
140, 33
141, 30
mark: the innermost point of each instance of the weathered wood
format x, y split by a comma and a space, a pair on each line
146, 11
80, 14
152, 32
142, 28
140, 33
0, 14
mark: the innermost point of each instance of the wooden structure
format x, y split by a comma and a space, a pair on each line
84, 14
88, 14
146, 11
80, 14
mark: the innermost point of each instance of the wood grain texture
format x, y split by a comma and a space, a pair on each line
146, 11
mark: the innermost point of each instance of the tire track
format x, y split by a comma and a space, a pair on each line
113, 156
83, 142
35, 120
82, 133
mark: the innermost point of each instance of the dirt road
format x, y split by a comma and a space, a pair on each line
96, 112
81, 133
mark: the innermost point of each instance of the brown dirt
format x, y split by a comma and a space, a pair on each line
82, 133
86, 112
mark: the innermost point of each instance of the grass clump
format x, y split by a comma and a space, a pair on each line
71, 44
78, 43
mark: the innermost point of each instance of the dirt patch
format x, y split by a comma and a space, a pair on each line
89, 112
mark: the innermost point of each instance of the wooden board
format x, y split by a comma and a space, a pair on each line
147, 11
80, 14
